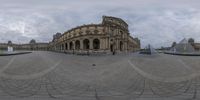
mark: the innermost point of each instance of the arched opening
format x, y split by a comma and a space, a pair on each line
71, 46
86, 44
66, 46
121, 45
111, 48
77, 45
96, 44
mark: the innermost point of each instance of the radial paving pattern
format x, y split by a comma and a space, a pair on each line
48, 75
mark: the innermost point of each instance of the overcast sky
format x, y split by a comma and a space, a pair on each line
158, 22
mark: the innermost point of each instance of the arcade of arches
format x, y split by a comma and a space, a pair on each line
85, 44
112, 35
92, 44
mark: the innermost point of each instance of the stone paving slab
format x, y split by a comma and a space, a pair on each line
58, 76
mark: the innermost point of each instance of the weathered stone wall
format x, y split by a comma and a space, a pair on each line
36, 46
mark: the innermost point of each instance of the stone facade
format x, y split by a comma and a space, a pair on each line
194, 44
112, 35
32, 45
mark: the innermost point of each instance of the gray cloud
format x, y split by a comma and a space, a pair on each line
159, 22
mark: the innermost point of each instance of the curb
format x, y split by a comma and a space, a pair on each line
20, 53
182, 54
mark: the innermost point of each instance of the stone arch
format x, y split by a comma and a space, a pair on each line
121, 45
111, 45
86, 44
96, 44
111, 48
77, 45
71, 45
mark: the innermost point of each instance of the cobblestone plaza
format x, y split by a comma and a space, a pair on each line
47, 75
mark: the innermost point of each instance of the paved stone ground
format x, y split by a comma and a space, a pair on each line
57, 76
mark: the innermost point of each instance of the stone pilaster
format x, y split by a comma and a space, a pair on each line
101, 43
91, 44
73, 45
108, 43
81, 44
